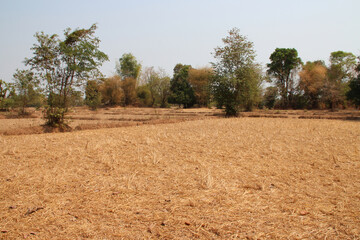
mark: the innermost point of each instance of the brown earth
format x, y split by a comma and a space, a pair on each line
238, 178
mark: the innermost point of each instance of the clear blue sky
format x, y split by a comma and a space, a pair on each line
162, 33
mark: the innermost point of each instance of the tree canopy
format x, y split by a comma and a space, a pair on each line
128, 67
283, 66
182, 92
237, 76
64, 64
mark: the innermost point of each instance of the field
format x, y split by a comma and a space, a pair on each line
154, 174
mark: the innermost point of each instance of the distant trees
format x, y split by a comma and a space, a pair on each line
111, 91
7, 92
200, 80
354, 85
92, 94
237, 76
64, 64
25, 85
181, 91
270, 97
341, 70
283, 68
128, 67
312, 80
158, 85
129, 70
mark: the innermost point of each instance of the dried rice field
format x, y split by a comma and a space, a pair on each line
239, 178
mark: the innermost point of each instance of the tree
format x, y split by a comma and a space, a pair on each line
111, 91
312, 80
200, 82
346, 64
152, 81
158, 84
283, 67
25, 84
92, 94
270, 96
7, 94
128, 67
237, 76
128, 86
65, 64
144, 95
341, 70
164, 91
354, 93
181, 91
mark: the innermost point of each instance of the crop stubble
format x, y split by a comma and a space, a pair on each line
219, 178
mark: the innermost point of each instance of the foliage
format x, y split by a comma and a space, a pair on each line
55, 116
312, 80
128, 86
283, 67
346, 63
76, 98
158, 85
341, 70
65, 64
237, 76
7, 95
164, 91
25, 84
92, 94
354, 93
128, 67
144, 95
200, 82
270, 96
111, 91
181, 91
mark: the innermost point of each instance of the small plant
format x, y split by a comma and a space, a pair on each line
55, 116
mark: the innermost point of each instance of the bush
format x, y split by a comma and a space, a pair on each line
7, 103
55, 116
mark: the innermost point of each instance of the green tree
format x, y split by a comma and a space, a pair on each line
65, 64
25, 84
158, 84
7, 95
341, 70
164, 91
312, 79
181, 91
283, 67
354, 93
144, 95
128, 67
152, 80
92, 94
270, 96
237, 76
76, 98
346, 63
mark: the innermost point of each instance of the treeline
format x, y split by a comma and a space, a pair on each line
65, 72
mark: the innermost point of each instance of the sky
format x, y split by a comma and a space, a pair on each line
162, 33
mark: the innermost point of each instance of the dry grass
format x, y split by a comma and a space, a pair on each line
81, 118
255, 178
